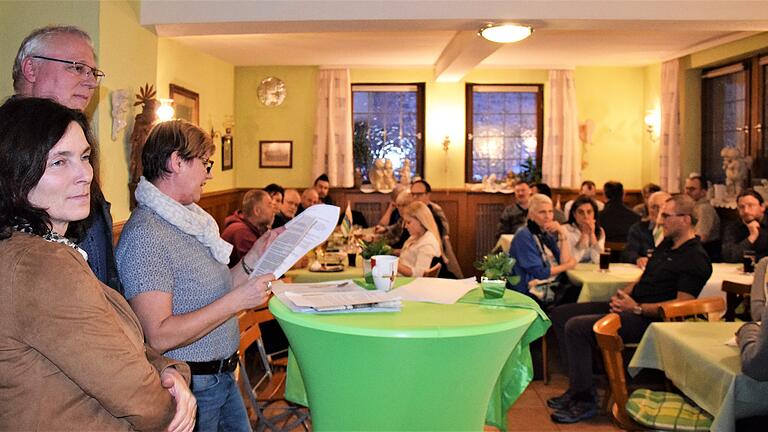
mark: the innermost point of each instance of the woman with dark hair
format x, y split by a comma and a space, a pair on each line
583, 231
173, 266
72, 353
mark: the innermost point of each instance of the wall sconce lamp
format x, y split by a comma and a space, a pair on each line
446, 143
653, 124
505, 33
165, 111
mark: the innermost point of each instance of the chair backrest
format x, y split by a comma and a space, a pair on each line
735, 294
607, 334
681, 310
433, 271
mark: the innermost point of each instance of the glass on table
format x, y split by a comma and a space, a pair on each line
749, 261
605, 260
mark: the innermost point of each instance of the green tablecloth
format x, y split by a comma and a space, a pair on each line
599, 286
694, 356
428, 367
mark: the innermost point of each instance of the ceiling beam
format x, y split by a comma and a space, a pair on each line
462, 54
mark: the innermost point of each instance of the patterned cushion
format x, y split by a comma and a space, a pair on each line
666, 411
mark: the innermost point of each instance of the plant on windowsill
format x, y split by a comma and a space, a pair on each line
370, 249
497, 271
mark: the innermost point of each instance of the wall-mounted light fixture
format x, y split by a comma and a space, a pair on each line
505, 33
165, 111
446, 143
653, 123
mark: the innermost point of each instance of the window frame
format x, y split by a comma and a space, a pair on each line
420, 116
469, 123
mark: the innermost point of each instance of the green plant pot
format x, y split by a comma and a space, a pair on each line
367, 271
493, 289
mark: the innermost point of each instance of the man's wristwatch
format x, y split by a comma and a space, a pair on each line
638, 310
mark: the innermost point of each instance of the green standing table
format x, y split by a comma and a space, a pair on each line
427, 367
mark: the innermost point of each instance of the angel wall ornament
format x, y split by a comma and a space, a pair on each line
120, 99
735, 165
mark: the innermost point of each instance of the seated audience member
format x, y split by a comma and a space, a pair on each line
421, 191
753, 343
243, 227
646, 191
707, 220
585, 236
616, 218
589, 189
544, 189
395, 234
750, 232
540, 247
422, 244
513, 216
391, 214
72, 351
678, 270
276, 194
645, 234
173, 266
308, 198
322, 185
288, 208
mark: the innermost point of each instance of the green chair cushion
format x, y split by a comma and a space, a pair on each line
666, 411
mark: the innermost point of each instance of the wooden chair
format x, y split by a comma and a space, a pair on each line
269, 413
433, 271
607, 333
710, 308
736, 294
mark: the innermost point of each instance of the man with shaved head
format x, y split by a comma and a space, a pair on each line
308, 198
288, 209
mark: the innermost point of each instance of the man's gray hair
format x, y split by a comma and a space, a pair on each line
37, 41
537, 201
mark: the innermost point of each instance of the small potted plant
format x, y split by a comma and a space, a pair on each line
497, 271
370, 249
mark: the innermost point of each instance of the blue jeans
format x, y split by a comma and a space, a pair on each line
220, 407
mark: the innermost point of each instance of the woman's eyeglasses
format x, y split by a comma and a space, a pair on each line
208, 164
81, 69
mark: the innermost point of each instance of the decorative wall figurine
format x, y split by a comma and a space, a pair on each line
376, 174
141, 127
735, 166
389, 175
120, 99
405, 172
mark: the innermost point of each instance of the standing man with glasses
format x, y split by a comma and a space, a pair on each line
58, 62
678, 270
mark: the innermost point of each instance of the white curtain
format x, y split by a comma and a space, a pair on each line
332, 150
562, 151
670, 127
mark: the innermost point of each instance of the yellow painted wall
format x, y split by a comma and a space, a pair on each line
129, 67
294, 120
650, 169
214, 80
730, 51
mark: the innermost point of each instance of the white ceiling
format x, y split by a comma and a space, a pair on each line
440, 34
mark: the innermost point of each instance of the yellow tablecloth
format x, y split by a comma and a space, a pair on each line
695, 357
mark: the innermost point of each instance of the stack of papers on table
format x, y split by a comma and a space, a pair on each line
435, 290
335, 297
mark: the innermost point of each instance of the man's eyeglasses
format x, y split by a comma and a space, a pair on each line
665, 215
208, 164
81, 69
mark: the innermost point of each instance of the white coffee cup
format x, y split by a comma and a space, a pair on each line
384, 271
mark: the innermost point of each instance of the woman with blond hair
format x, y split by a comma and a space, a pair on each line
541, 250
423, 244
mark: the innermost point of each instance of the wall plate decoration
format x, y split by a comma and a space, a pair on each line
271, 91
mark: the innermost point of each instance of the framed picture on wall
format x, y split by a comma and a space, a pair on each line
186, 103
227, 143
275, 154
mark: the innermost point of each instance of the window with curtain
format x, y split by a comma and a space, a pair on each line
388, 122
504, 129
733, 110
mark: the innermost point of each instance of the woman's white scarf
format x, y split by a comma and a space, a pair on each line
191, 219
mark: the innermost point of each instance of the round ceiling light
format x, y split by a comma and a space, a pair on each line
505, 33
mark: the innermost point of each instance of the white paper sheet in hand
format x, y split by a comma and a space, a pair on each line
435, 290
302, 234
